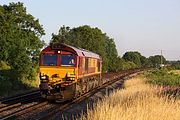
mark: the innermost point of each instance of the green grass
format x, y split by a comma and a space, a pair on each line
11, 85
168, 80
163, 78
11, 82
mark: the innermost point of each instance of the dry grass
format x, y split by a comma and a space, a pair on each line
138, 101
175, 71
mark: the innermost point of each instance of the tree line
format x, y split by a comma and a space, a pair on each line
93, 39
20, 45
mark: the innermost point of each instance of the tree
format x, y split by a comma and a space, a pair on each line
62, 36
144, 61
112, 54
156, 60
20, 35
134, 57
91, 39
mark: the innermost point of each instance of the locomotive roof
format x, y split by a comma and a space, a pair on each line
78, 51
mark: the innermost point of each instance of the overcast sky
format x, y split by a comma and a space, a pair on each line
147, 26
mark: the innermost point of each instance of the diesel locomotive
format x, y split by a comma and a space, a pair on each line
67, 72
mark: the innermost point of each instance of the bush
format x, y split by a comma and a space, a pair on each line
176, 67
4, 66
12, 83
163, 78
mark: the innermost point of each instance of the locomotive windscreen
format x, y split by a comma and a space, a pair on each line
49, 60
68, 60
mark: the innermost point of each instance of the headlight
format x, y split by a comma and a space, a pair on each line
43, 77
72, 78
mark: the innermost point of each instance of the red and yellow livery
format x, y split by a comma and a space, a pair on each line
67, 72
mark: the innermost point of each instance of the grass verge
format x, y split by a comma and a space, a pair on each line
13, 82
11, 86
163, 78
138, 101
168, 81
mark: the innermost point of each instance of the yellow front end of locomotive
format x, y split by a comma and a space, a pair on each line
58, 75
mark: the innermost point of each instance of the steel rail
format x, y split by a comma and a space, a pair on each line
23, 111
19, 97
10, 103
19, 104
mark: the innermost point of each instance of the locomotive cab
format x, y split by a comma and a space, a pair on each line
58, 67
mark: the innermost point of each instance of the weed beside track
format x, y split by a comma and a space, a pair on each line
138, 101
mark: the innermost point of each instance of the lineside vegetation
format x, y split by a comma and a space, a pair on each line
20, 46
169, 81
138, 101
163, 78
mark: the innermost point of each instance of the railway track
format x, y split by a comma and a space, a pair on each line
13, 105
21, 111
19, 97
17, 108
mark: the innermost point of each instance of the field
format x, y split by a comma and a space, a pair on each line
164, 78
138, 101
